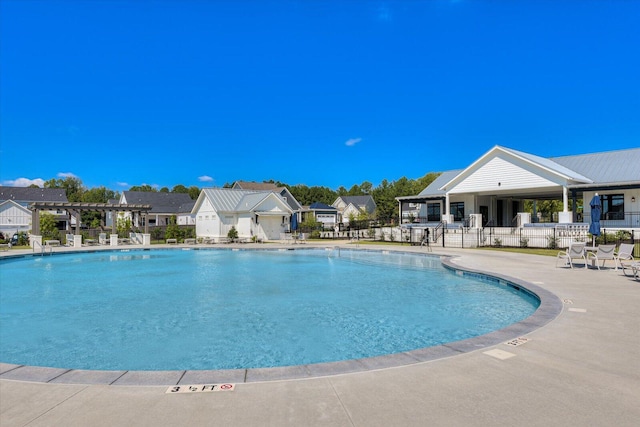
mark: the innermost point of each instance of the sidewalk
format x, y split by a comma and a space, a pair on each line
581, 368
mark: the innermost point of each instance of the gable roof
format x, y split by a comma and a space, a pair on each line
31, 194
537, 162
236, 200
252, 185
585, 170
620, 166
322, 206
167, 203
269, 186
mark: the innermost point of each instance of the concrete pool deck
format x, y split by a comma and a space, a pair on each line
581, 368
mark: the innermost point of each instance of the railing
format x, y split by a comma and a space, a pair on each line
438, 231
43, 248
617, 219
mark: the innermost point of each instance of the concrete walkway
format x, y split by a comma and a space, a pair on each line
583, 368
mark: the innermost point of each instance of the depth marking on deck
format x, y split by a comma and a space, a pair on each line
578, 310
206, 388
499, 354
516, 342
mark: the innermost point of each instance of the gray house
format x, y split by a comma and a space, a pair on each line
164, 206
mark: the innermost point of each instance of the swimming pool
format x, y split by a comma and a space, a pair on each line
223, 309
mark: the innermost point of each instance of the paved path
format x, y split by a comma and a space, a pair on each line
583, 368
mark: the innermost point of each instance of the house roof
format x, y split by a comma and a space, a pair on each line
585, 170
434, 189
31, 194
536, 161
321, 206
166, 203
608, 167
252, 185
236, 200
356, 200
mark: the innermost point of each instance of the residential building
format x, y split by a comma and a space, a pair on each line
353, 206
261, 215
15, 215
164, 206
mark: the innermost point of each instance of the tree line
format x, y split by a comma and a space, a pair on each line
383, 194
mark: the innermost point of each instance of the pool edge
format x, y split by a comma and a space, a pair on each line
549, 309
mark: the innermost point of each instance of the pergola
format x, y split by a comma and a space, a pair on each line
75, 209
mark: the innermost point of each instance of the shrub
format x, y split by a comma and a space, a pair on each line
497, 242
233, 233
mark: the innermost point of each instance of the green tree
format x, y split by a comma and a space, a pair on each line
232, 235
194, 192
173, 231
96, 195
72, 186
123, 226
48, 226
144, 187
180, 189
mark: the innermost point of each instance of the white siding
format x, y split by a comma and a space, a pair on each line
500, 173
207, 221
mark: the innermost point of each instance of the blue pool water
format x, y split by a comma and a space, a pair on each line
222, 309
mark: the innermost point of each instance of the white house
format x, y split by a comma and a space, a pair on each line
15, 215
353, 206
492, 190
260, 214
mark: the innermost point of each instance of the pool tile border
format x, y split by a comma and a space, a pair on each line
550, 307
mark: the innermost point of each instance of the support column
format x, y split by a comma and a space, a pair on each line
565, 217
35, 222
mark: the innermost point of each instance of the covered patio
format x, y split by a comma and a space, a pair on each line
74, 209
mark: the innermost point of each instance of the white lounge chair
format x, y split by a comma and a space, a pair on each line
575, 251
624, 256
603, 253
103, 240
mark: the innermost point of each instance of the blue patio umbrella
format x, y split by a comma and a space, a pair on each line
294, 222
596, 211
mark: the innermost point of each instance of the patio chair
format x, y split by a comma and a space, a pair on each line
603, 253
575, 251
624, 256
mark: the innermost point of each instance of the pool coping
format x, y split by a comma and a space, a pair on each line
550, 307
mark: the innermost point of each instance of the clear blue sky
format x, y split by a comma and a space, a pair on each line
130, 92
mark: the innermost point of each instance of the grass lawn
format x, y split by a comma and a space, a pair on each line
531, 251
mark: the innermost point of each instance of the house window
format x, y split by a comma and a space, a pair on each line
433, 212
457, 210
612, 206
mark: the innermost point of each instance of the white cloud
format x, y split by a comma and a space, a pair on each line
66, 175
205, 178
122, 184
352, 141
24, 182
